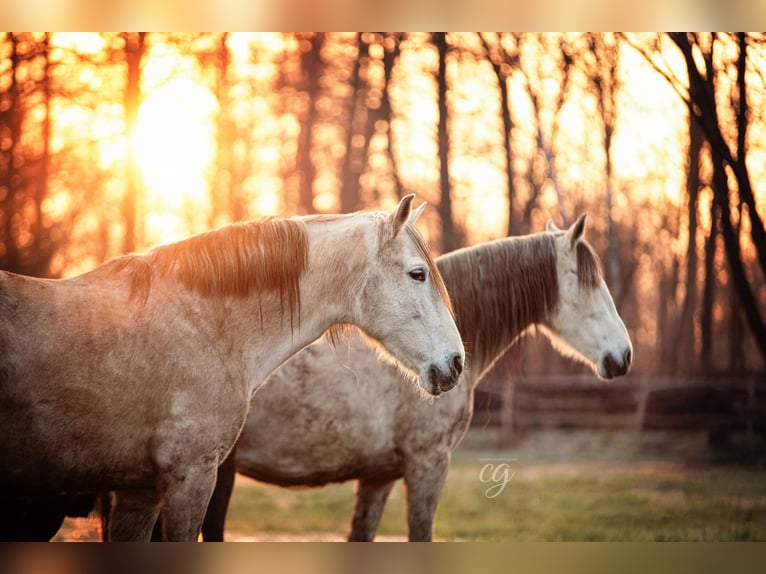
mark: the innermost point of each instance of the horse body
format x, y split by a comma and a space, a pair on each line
104, 357
137, 376
331, 415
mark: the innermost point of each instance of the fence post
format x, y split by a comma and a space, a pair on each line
641, 408
507, 414
750, 437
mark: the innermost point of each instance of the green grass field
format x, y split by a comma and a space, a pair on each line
566, 486
590, 486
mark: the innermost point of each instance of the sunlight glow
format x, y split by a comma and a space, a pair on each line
174, 146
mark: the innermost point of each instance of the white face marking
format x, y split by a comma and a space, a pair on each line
585, 323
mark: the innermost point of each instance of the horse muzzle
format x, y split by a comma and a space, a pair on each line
440, 379
611, 366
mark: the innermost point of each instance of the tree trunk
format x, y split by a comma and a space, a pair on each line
352, 162
449, 241
134, 51
702, 105
312, 66
708, 293
505, 114
390, 55
10, 117
733, 255
685, 339
221, 196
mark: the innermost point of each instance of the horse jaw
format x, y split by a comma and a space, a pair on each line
592, 332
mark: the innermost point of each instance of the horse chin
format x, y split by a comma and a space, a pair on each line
602, 374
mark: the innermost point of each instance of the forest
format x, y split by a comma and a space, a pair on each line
114, 142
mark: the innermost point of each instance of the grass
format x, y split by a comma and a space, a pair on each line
566, 486
598, 489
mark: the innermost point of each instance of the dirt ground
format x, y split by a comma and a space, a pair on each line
89, 530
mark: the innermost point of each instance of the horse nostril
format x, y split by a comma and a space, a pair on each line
457, 364
627, 358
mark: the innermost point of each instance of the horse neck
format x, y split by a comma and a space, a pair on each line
330, 285
498, 290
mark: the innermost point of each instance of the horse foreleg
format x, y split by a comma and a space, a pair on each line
215, 517
424, 480
186, 501
132, 516
371, 499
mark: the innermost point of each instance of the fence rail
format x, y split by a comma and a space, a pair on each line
633, 402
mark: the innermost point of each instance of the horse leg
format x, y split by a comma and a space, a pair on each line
186, 500
215, 517
371, 496
424, 485
132, 515
104, 508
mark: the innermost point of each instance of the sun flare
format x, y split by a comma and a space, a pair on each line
174, 148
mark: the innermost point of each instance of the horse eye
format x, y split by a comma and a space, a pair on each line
418, 274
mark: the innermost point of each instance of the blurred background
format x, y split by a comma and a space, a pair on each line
110, 143
114, 142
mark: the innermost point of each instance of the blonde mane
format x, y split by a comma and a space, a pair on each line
499, 288
260, 256
502, 287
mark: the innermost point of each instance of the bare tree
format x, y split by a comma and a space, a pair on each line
312, 67
449, 240
354, 161
702, 106
504, 61
542, 168
392, 49
699, 93
221, 187
134, 53
603, 78
27, 240
685, 339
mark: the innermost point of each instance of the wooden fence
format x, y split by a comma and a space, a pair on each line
633, 402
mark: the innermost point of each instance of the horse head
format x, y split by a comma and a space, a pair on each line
403, 305
585, 323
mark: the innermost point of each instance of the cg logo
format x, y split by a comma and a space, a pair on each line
497, 471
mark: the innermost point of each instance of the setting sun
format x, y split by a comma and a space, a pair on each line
174, 145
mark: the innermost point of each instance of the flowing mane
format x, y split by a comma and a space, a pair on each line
502, 287
233, 260
499, 288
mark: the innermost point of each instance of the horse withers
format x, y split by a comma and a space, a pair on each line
331, 415
137, 377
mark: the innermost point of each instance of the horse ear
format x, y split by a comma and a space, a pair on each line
575, 232
402, 213
550, 226
417, 211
